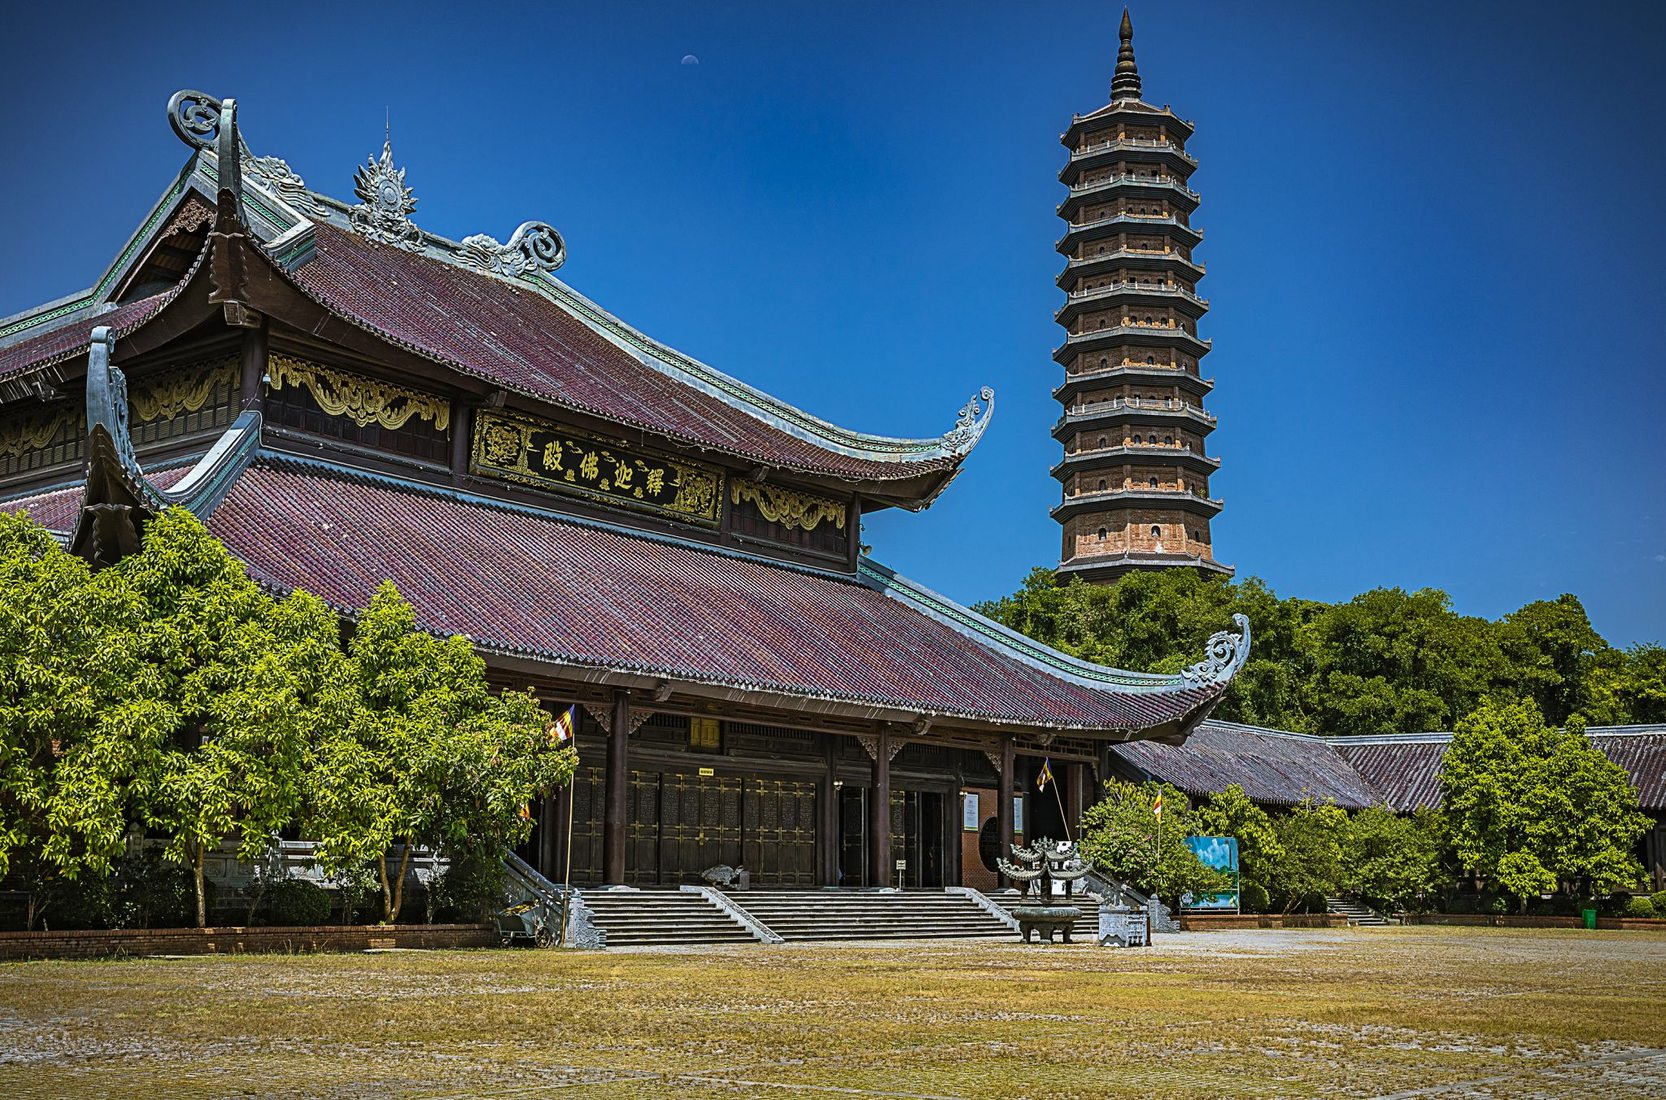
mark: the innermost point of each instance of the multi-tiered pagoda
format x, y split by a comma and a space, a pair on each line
1135, 469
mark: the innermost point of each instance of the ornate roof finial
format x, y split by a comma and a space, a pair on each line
384, 211
1125, 84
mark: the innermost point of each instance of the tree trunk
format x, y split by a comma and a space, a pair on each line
387, 894
254, 902
399, 883
32, 911
202, 893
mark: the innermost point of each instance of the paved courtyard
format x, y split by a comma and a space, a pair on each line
1420, 1012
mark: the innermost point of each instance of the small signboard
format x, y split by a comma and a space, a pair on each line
708, 771
1221, 853
902, 865
971, 818
1017, 813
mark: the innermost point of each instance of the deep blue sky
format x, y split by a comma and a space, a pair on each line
1434, 236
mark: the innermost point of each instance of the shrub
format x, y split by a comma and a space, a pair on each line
1252, 896
471, 889
1659, 900
1640, 907
298, 902
87, 902
149, 892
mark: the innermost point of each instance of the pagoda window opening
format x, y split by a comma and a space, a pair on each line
1168, 441
1153, 483
1151, 360
1156, 532
1101, 441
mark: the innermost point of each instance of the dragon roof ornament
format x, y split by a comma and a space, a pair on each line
971, 422
195, 117
386, 204
1223, 656
535, 247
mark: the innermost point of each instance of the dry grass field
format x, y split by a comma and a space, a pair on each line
1417, 1012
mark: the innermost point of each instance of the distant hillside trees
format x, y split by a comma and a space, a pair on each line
1387, 661
171, 695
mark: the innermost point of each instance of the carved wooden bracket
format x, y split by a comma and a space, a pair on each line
994, 758
639, 715
601, 713
871, 743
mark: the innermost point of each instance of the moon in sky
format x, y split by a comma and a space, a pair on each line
690, 59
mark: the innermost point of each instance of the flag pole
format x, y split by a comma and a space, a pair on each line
567, 868
1063, 815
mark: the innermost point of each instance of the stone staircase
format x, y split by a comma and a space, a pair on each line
662, 916
797, 915
1357, 914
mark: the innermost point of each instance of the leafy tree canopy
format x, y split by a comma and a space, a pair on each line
1386, 661
1531, 806
1125, 838
170, 692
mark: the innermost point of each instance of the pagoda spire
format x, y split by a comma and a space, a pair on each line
1125, 84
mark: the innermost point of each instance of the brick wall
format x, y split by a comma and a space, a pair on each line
232, 941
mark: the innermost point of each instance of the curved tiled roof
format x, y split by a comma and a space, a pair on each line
1405, 768
68, 339
1399, 771
1273, 767
518, 580
517, 336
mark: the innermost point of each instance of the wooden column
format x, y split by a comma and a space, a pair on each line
549, 840
462, 425
827, 815
618, 791
1003, 807
880, 871
251, 388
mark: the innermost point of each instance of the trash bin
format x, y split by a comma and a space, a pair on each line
1590, 918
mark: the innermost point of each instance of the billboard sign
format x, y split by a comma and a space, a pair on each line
1221, 853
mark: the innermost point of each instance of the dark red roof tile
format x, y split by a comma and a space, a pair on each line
68, 339
515, 580
1273, 767
516, 337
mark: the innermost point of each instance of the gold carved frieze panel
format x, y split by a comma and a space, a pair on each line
794, 511
180, 390
364, 401
28, 432
549, 456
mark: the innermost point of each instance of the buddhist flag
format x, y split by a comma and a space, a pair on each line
1157, 807
1045, 775
561, 729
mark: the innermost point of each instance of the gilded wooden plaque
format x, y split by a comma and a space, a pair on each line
549, 456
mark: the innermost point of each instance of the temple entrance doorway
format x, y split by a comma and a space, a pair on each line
917, 839
679, 823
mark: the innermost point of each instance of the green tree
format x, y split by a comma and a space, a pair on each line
1311, 836
69, 714
1121, 834
243, 681
430, 757
1532, 807
1391, 859
1231, 813
1565, 651
1160, 621
1627, 686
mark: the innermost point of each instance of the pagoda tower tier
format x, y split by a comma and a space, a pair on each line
1135, 473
